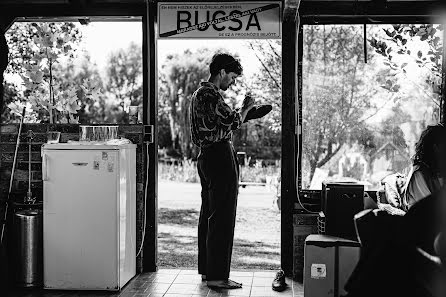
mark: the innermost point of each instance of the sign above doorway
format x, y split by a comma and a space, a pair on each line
233, 20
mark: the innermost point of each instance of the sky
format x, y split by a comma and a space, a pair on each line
101, 38
248, 60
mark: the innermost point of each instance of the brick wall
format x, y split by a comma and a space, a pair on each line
8, 138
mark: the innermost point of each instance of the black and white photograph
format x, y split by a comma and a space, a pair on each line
208, 148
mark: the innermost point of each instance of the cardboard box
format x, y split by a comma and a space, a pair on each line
329, 262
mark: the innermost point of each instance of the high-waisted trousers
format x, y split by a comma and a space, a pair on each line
218, 169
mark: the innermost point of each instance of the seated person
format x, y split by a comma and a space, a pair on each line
410, 251
424, 221
428, 166
409, 261
389, 197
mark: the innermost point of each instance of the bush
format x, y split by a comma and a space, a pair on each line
258, 173
186, 171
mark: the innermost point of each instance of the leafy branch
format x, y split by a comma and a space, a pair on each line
51, 43
396, 43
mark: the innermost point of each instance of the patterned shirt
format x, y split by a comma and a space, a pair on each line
212, 120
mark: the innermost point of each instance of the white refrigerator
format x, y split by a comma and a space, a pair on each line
89, 216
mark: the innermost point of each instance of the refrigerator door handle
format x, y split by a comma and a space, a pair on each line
80, 163
44, 168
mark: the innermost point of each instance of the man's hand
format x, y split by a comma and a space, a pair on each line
248, 103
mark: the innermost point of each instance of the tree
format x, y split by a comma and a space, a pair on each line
267, 83
125, 76
23, 37
261, 139
406, 45
91, 111
36, 50
181, 74
164, 131
10, 95
335, 97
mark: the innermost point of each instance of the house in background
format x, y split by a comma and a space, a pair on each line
390, 158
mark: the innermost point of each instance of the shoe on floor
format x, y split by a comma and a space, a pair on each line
279, 283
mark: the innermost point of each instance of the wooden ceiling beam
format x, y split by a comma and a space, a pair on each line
308, 9
377, 10
73, 8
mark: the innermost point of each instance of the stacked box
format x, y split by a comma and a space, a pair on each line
304, 224
329, 262
340, 201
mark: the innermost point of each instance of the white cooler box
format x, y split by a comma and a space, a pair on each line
329, 262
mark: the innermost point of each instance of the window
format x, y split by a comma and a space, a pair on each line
363, 110
74, 71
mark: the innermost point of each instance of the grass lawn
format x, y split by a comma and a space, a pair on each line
257, 230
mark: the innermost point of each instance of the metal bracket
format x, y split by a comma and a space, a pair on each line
149, 133
298, 129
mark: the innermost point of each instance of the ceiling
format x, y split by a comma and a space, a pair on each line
306, 8
363, 9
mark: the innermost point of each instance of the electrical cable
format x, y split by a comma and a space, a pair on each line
297, 183
297, 20
145, 202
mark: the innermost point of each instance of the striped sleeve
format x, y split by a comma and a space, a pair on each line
229, 119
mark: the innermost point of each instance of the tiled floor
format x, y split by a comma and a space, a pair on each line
181, 283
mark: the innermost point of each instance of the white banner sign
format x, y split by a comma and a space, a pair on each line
247, 20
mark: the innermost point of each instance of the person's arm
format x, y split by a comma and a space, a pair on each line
244, 112
232, 119
248, 103
226, 118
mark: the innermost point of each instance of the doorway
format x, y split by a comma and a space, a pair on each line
182, 64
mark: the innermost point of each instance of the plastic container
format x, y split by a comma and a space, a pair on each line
329, 262
98, 133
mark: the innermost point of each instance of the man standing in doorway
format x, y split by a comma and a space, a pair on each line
212, 123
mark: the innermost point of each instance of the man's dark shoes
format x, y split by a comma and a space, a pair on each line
279, 283
258, 111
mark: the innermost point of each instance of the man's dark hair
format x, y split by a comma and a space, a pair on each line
226, 62
424, 148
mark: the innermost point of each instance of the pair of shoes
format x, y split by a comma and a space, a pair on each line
279, 283
258, 111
